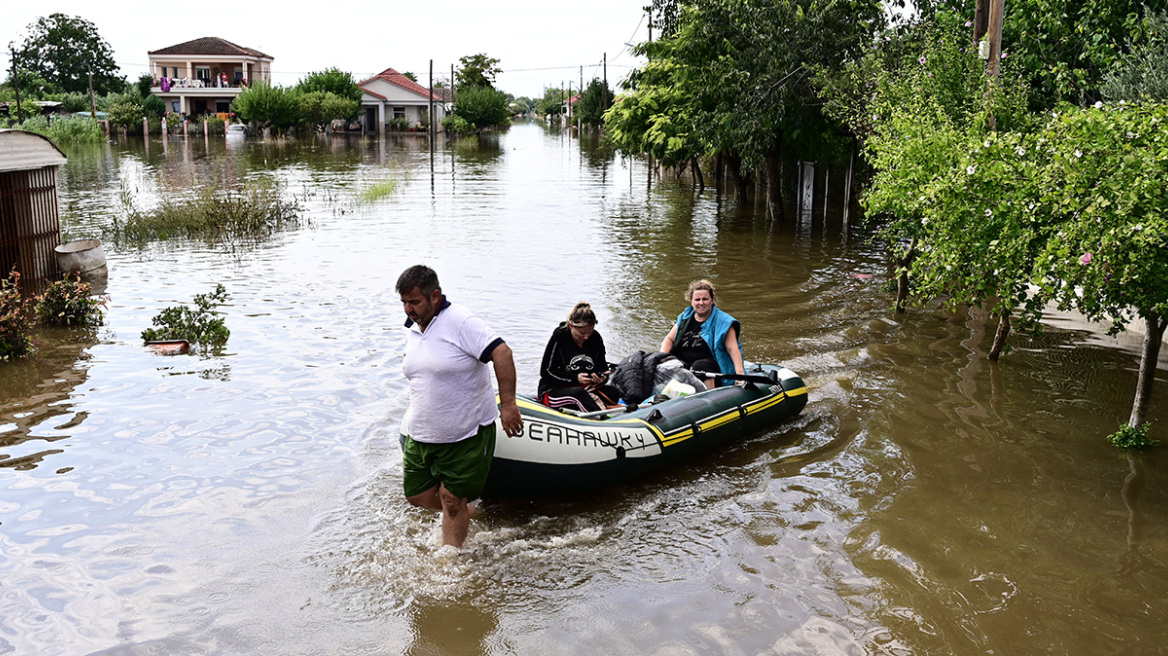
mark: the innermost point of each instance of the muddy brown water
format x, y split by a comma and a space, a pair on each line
248, 501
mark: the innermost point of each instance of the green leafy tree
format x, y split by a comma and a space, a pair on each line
477, 71
1142, 74
321, 108
411, 76
1063, 48
920, 102
744, 73
65, 49
331, 80
268, 106
523, 105
126, 113
552, 102
595, 100
482, 107
1104, 178
658, 118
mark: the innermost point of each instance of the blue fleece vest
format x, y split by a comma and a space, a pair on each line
714, 332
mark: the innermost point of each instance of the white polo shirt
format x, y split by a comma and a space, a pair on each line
450, 382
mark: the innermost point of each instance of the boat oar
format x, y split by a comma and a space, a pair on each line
769, 378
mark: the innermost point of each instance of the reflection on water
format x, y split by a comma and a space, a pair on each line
249, 500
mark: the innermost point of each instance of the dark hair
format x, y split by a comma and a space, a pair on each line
420, 276
700, 284
582, 315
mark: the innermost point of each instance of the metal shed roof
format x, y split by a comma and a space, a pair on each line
25, 151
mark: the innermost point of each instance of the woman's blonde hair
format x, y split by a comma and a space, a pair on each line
700, 284
582, 315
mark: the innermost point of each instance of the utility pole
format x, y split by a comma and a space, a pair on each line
92, 103
16, 86
432, 127
980, 20
604, 105
649, 10
994, 65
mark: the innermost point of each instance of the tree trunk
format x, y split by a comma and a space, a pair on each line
719, 170
1000, 337
1151, 353
697, 171
902, 278
774, 188
741, 181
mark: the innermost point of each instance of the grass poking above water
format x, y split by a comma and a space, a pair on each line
377, 191
250, 214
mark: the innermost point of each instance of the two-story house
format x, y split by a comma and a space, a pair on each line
203, 76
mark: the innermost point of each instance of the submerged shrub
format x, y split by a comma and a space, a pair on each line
69, 302
1132, 437
17, 319
200, 325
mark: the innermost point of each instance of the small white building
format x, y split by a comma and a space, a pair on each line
389, 95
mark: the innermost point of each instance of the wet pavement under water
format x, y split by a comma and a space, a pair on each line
248, 500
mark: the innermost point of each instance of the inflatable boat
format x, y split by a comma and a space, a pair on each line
560, 453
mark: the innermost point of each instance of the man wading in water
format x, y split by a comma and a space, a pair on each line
449, 429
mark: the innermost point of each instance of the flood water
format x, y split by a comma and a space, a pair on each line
248, 501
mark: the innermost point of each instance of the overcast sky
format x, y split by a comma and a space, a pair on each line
538, 44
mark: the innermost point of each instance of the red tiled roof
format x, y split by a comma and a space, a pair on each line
210, 45
393, 77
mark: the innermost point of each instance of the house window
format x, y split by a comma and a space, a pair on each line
174, 105
399, 112
204, 74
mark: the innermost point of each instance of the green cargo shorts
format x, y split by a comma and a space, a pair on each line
462, 466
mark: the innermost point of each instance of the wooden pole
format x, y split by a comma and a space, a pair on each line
92, 103
980, 20
432, 126
604, 105
16, 87
994, 65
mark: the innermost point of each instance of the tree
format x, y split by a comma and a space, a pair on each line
1064, 48
595, 100
267, 105
482, 107
1105, 178
126, 112
1142, 74
411, 76
331, 80
744, 71
523, 105
477, 71
320, 109
64, 50
552, 102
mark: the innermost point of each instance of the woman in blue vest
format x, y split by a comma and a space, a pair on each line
705, 337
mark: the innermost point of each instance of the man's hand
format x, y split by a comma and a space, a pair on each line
512, 420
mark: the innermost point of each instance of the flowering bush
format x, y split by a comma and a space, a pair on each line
16, 319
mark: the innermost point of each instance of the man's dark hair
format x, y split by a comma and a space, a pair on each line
420, 276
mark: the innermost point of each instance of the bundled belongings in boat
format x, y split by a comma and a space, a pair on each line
644, 375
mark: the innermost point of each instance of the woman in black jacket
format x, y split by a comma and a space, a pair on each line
575, 366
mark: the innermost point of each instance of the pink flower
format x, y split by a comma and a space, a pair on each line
1085, 258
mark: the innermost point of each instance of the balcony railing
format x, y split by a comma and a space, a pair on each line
187, 84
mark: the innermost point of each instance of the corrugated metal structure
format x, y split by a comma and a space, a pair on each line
30, 226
